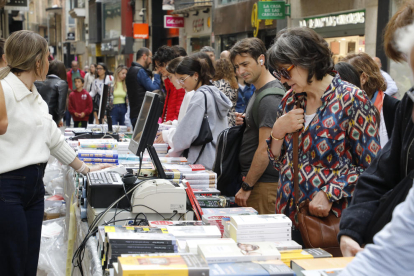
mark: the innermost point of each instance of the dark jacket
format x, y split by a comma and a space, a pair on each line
389, 108
54, 92
136, 87
391, 167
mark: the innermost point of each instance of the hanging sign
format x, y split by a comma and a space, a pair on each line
272, 10
141, 31
173, 21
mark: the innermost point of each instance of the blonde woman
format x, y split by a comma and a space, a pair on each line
31, 137
120, 96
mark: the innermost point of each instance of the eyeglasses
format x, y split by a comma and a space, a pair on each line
283, 73
99, 68
183, 80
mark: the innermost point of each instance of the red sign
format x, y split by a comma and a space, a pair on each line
141, 31
173, 21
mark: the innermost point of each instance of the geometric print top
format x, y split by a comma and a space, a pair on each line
335, 148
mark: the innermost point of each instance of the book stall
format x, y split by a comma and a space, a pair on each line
211, 237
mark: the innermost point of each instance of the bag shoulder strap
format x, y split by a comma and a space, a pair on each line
296, 164
205, 103
260, 96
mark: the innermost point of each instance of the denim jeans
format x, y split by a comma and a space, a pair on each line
67, 117
133, 122
21, 215
118, 114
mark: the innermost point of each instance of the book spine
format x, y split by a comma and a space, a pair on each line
264, 225
97, 155
99, 160
142, 247
155, 242
199, 176
116, 253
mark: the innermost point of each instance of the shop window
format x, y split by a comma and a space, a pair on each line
112, 19
341, 46
228, 41
196, 43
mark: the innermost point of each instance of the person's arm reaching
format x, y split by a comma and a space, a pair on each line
257, 168
3, 113
146, 81
381, 176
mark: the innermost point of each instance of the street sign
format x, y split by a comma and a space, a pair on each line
141, 31
173, 21
272, 10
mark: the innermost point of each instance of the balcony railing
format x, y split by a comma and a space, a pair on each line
182, 6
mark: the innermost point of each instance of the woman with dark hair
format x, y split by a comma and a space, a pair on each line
166, 135
348, 73
336, 123
374, 84
194, 73
102, 78
54, 90
225, 80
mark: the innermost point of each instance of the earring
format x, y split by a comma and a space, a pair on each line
196, 79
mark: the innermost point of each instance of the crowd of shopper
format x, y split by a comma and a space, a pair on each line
354, 137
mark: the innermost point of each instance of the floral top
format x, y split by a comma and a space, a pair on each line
336, 147
231, 93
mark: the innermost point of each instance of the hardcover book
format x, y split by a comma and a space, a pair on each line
240, 252
192, 245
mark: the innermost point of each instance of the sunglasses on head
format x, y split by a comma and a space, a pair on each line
283, 73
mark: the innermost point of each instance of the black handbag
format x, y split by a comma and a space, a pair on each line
205, 135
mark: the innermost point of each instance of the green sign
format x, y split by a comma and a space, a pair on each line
272, 10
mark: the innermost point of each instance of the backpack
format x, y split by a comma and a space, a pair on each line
226, 164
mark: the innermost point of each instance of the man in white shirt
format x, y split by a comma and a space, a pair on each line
392, 88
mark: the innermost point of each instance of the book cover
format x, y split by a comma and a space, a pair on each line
193, 205
191, 232
283, 246
140, 238
198, 208
261, 221
240, 252
192, 245
320, 264
169, 265
255, 268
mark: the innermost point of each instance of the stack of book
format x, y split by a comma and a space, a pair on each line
196, 175
240, 252
215, 216
93, 156
138, 243
254, 268
267, 228
188, 264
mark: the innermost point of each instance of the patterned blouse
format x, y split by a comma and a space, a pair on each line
224, 86
335, 148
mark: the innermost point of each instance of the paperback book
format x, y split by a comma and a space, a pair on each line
255, 268
240, 252
261, 221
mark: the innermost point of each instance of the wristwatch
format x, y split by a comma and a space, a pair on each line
246, 187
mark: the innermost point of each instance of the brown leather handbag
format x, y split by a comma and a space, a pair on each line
316, 232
